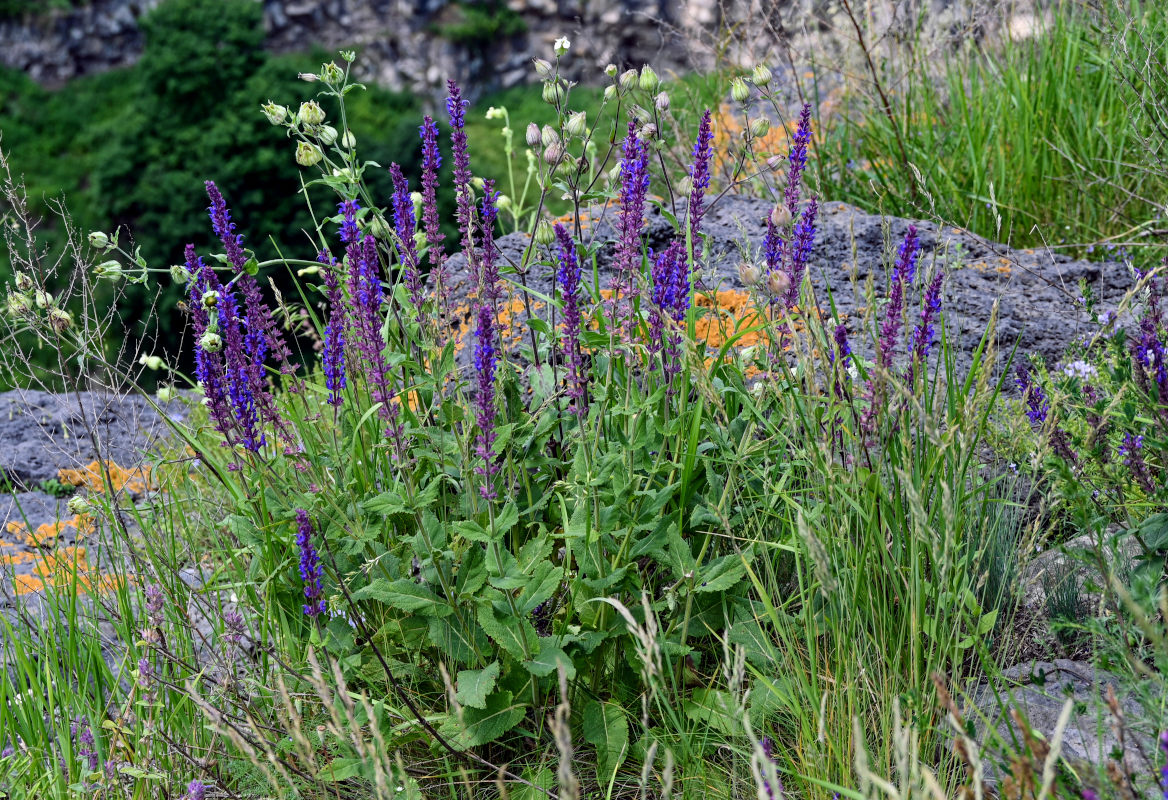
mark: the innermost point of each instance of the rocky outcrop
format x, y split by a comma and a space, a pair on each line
404, 44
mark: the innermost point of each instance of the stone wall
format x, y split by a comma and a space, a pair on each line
400, 41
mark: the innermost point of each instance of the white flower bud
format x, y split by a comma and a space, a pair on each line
211, 342
648, 80
648, 131
610, 70
327, 135
495, 113
760, 126
577, 123
275, 113
739, 90
543, 68
151, 362
419, 239
210, 299
43, 299
548, 136
685, 185
348, 141
304, 272
308, 154
179, 274
629, 79
609, 93
544, 233
99, 240
166, 394
661, 102
761, 75
503, 202
308, 77
534, 136
19, 305
554, 153
110, 270
749, 274
780, 216
310, 113
553, 93
778, 284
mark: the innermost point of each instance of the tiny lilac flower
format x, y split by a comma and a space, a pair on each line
699, 173
484, 399
333, 352
569, 280
456, 110
196, 790
797, 159
431, 222
921, 338
404, 224
311, 570
634, 186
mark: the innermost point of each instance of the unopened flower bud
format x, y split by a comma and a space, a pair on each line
19, 305
661, 101
345, 174
502, 202
554, 152
760, 126
648, 131
648, 80
553, 93
544, 233
331, 73
349, 55
179, 274
419, 239
99, 240
610, 70
548, 136
774, 162
685, 185
778, 284
308, 77
275, 113
761, 75
327, 135
543, 68
416, 200
79, 506
210, 299
378, 228
308, 154
310, 113
780, 216
43, 299
739, 90
348, 141
749, 274
534, 136
211, 342
629, 79
166, 394
609, 93
60, 320
477, 182
495, 113
577, 123
23, 282
304, 272
151, 362
110, 270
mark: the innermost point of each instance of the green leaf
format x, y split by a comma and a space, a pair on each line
1154, 531
606, 729
473, 532
986, 623
340, 769
488, 724
549, 660
506, 518
405, 595
475, 684
716, 709
722, 573
515, 635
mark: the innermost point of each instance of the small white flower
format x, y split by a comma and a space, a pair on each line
494, 113
561, 46
1079, 369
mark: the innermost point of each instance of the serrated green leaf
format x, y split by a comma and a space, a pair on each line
475, 684
722, 573
515, 635
340, 769
473, 532
551, 657
488, 724
714, 708
606, 728
404, 595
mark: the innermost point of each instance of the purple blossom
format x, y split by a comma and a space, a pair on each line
145, 673
569, 280
921, 338
484, 399
902, 276
489, 288
1037, 406
841, 342
670, 302
83, 737
906, 258
1131, 451
773, 246
233, 627
404, 224
333, 356
1164, 769
311, 570
802, 241
634, 180
350, 233
699, 173
196, 790
456, 110
797, 159
431, 223
768, 750
154, 604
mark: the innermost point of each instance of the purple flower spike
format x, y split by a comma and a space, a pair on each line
1037, 406
484, 400
797, 159
634, 179
699, 173
906, 258
921, 338
431, 162
311, 571
569, 280
802, 242
456, 110
489, 290
404, 224
1164, 769
196, 790
333, 357
1132, 453
670, 301
773, 246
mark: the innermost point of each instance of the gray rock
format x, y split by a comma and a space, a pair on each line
1040, 689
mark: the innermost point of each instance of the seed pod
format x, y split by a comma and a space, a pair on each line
553, 93
548, 136
210, 299
739, 90
780, 216
760, 126
211, 342
310, 113
761, 75
577, 123
554, 153
649, 80
543, 68
629, 79
60, 320
327, 135
348, 141
99, 240
109, 270
662, 102
778, 284
544, 234
749, 274
23, 282
308, 154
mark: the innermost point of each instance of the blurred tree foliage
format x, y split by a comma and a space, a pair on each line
133, 147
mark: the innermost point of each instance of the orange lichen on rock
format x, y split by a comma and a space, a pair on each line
732, 315
16, 528
134, 481
66, 567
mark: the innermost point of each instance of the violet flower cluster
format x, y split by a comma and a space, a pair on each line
1132, 453
922, 337
569, 280
333, 353
403, 225
785, 251
484, 399
1037, 406
490, 288
634, 186
902, 277
311, 570
699, 173
431, 222
456, 111
797, 160
670, 302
